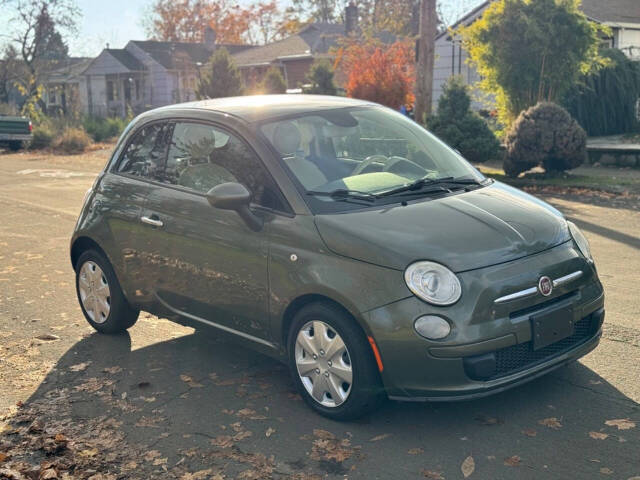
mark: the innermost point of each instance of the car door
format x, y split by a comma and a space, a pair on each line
213, 267
128, 184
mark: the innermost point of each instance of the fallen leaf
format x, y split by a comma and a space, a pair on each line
90, 452
79, 367
598, 435
468, 466
415, 451
48, 474
112, 370
190, 381
432, 474
48, 337
551, 422
487, 420
513, 461
3, 457
529, 432
323, 434
606, 471
199, 475
621, 423
380, 437
270, 431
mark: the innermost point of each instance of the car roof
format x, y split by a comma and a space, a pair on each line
253, 108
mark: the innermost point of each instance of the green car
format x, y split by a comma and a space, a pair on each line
341, 238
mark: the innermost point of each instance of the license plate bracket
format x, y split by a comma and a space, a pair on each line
551, 327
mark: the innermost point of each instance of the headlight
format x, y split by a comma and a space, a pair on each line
433, 283
581, 240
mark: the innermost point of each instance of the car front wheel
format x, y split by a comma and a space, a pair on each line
101, 299
332, 364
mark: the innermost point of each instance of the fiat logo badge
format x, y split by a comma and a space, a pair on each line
545, 285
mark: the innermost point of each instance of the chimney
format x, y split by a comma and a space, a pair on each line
351, 18
210, 38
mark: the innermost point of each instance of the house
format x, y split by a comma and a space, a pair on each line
65, 86
292, 55
146, 74
621, 16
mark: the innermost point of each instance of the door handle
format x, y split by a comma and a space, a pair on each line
156, 222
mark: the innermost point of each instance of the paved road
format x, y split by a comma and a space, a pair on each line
166, 401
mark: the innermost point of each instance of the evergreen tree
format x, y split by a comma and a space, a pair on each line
220, 78
320, 79
274, 82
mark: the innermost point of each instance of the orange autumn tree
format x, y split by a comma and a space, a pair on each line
378, 72
186, 20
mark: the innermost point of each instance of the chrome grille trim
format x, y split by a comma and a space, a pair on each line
527, 292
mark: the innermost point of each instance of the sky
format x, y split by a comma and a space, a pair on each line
117, 21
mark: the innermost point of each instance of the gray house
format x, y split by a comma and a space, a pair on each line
144, 75
621, 16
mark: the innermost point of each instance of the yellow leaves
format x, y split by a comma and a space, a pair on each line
621, 423
598, 435
551, 422
89, 452
468, 466
606, 471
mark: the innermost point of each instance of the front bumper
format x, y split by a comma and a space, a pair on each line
490, 347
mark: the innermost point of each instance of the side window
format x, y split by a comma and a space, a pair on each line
145, 154
201, 157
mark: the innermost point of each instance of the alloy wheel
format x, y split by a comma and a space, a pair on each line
323, 363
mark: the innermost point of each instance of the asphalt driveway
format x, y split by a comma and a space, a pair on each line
167, 401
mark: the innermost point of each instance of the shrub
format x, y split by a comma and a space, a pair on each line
274, 82
219, 77
101, 129
73, 140
42, 137
604, 102
544, 135
320, 79
457, 125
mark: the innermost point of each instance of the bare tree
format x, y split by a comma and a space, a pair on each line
37, 34
426, 55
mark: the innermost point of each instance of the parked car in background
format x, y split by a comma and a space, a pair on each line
342, 238
15, 131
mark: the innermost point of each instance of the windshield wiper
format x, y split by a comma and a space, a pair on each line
427, 182
343, 193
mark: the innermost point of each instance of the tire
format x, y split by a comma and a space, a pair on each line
111, 313
364, 394
15, 145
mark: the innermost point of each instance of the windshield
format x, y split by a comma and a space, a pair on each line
361, 151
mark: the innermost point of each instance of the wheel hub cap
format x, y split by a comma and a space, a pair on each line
95, 294
323, 363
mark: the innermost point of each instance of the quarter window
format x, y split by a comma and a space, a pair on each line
145, 154
201, 157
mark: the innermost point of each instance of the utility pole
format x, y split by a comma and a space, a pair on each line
426, 54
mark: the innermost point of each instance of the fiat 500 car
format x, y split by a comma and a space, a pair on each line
341, 238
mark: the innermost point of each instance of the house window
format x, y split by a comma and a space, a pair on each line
53, 96
113, 92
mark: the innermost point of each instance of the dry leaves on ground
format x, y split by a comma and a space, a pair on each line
190, 381
598, 435
468, 466
621, 423
432, 475
377, 438
512, 461
529, 432
551, 422
415, 451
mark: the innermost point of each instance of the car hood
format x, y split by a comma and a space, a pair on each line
476, 229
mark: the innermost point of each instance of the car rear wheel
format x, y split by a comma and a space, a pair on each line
15, 145
332, 364
101, 299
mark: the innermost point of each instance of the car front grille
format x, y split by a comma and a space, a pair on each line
522, 356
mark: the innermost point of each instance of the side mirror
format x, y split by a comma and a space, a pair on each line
234, 196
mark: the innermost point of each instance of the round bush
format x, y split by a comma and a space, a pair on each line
73, 140
42, 137
544, 135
